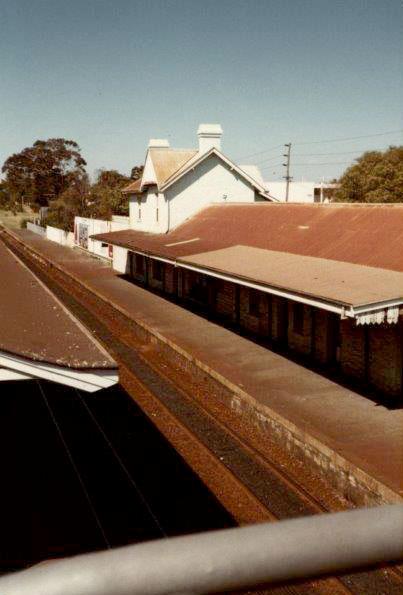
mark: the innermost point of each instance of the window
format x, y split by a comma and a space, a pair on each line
254, 302
104, 245
139, 208
157, 270
298, 319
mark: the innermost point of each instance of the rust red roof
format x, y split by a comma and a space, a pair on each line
370, 235
36, 326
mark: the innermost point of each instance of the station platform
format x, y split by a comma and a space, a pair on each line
339, 427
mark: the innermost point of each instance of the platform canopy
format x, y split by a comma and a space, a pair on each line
40, 338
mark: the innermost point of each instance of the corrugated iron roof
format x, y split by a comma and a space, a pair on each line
36, 326
133, 187
341, 282
168, 161
370, 235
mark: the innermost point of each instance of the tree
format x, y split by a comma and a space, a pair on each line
106, 196
376, 177
41, 173
137, 172
5, 197
73, 202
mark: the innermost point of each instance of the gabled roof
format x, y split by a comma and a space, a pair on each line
199, 158
160, 164
168, 161
133, 187
164, 167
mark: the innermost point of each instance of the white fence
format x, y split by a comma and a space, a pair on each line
41, 231
64, 238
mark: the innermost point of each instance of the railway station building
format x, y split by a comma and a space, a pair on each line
323, 282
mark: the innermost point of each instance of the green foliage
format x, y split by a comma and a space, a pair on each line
52, 173
41, 173
23, 223
74, 201
376, 177
5, 197
106, 198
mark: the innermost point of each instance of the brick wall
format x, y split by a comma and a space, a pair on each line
225, 299
152, 280
279, 320
255, 324
188, 278
352, 353
170, 282
385, 357
321, 336
300, 342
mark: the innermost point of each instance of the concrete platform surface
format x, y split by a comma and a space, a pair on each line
352, 429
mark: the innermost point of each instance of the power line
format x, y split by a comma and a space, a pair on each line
313, 155
332, 140
261, 152
297, 164
337, 153
327, 163
337, 140
266, 160
270, 166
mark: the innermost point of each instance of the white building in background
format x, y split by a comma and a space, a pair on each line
177, 183
306, 192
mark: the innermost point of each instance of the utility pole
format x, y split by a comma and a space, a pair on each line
287, 177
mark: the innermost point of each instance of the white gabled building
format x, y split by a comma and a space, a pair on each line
177, 183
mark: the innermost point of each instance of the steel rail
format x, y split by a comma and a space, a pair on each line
220, 560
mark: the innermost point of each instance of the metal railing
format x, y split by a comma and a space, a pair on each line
229, 559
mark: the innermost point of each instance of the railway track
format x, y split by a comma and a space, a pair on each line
252, 483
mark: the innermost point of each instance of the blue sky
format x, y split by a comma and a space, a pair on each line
112, 74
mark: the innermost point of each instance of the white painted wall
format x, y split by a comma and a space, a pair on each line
120, 222
41, 231
212, 181
143, 212
120, 259
149, 176
95, 226
299, 191
64, 238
